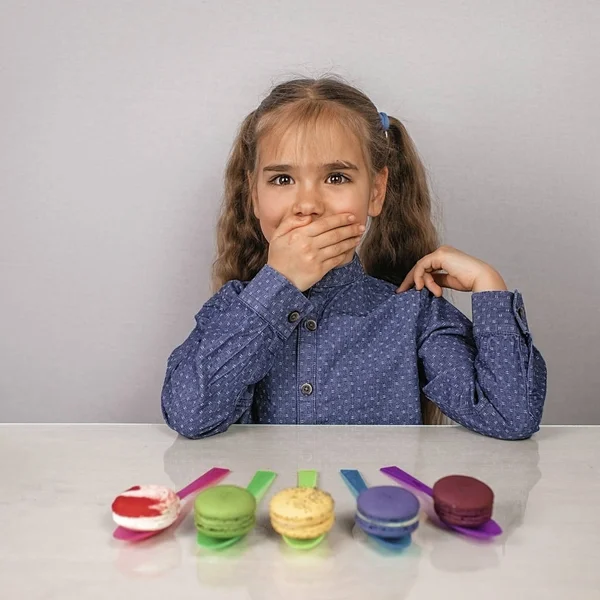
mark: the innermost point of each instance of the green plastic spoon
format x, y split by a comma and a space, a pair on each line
306, 478
258, 487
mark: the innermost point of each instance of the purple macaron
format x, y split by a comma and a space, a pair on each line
387, 511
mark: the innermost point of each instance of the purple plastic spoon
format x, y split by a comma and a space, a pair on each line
483, 532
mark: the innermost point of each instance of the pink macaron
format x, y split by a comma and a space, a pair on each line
146, 508
463, 501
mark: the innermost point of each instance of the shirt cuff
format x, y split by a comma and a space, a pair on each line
277, 300
499, 312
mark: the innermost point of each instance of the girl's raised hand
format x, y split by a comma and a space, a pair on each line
450, 268
303, 250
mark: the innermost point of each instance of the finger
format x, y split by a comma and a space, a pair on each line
432, 262
334, 236
331, 222
409, 281
418, 276
290, 223
447, 281
428, 264
335, 261
340, 248
431, 284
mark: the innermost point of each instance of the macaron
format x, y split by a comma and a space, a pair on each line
224, 511
302, 513
387, 511
463, 501
146, 508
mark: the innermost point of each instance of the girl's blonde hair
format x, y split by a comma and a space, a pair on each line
395, 240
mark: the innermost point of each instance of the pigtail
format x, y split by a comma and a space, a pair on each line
404, 231
241, 247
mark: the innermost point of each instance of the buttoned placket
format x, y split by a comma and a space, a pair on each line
306, 366
307, 388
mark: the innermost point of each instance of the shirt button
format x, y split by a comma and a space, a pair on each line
521, 312
311, 324
293, 316
307, 389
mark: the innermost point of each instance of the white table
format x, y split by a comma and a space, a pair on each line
58, 482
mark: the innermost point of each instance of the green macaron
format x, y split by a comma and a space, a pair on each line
224, 511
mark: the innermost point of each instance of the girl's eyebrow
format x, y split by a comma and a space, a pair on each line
341, 165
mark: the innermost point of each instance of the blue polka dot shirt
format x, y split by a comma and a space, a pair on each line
350, 350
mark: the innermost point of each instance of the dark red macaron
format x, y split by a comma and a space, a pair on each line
463, 501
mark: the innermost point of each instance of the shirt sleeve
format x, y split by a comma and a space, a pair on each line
210, 378
486, 375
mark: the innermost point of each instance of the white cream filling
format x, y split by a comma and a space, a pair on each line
165, 500
390, 525
167, 518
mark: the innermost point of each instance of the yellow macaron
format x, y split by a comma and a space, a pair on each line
302, 513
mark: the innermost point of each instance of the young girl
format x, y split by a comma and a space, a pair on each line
303, 330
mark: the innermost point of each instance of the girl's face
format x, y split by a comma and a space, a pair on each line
317, 173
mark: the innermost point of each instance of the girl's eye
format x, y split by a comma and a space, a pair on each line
334, 179
281, 180
338, 178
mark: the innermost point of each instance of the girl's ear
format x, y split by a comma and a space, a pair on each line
378, 191
253, 196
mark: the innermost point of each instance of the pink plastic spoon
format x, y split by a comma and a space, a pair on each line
209, 478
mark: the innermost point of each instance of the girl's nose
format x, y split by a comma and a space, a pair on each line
308, 203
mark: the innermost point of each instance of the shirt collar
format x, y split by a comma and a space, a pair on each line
343, 275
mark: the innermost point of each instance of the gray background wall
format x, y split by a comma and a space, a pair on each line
117, 118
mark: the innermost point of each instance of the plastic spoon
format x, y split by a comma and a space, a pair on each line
483, 532
306, 478
258, 487
357, 484
211, 477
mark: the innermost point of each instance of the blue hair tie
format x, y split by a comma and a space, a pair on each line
385, 120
